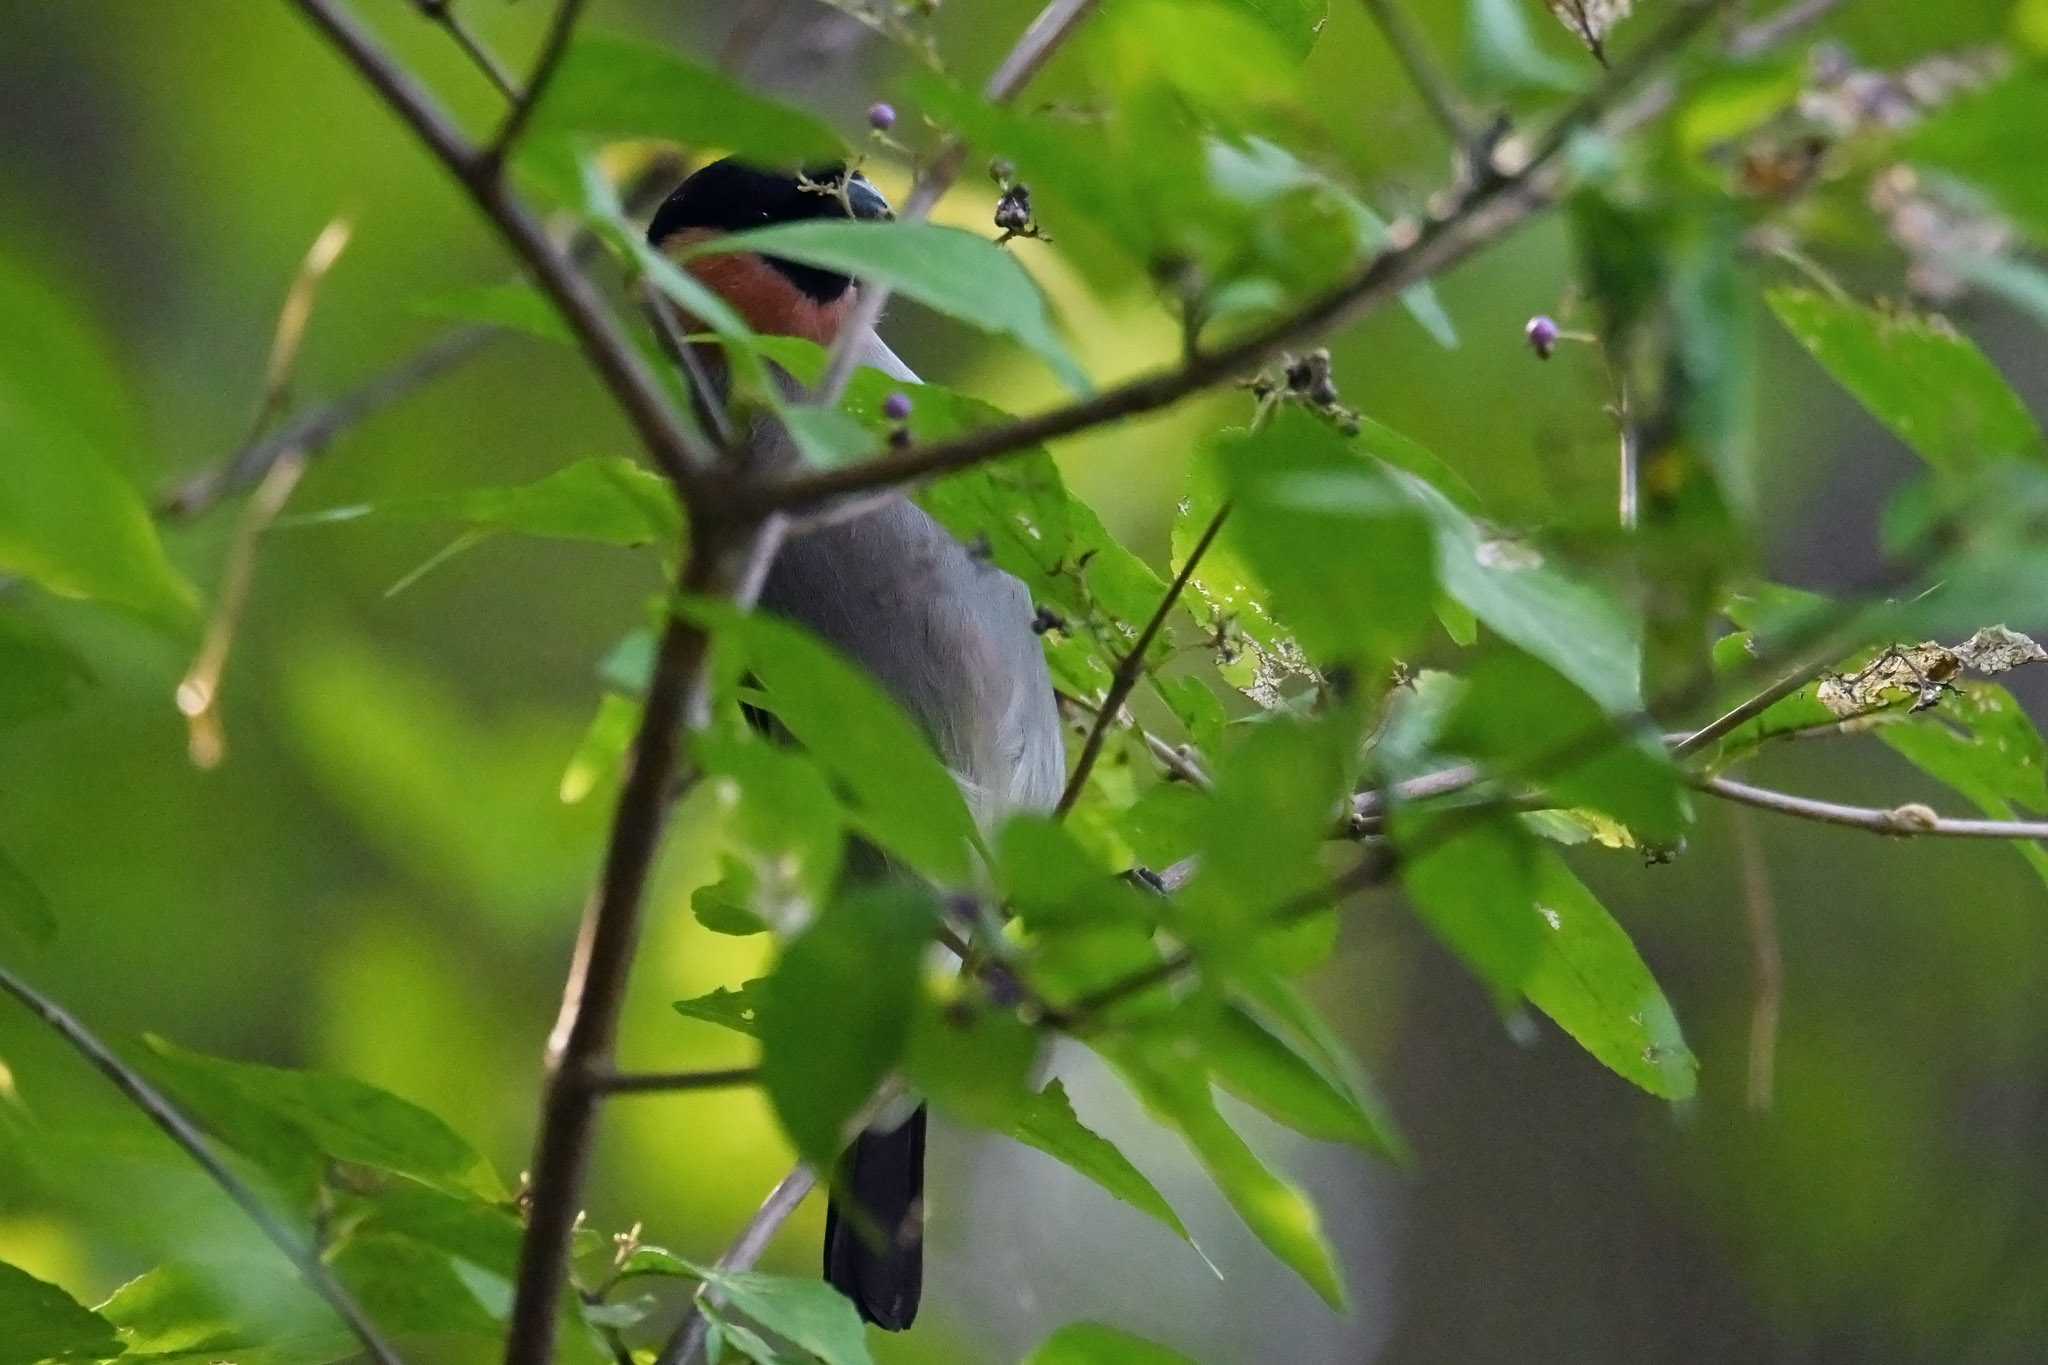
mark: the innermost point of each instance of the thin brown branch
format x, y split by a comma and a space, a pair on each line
1749, 709
1908, 821
611, 353
1411, 49
687, 1340
1132, 668
166, 1115
553, 48
1025, 59
1504, 194
673, 1082
442, 13
1178, 760
1766, 958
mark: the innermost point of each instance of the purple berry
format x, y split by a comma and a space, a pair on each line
1542, 333
896, 407
881, 117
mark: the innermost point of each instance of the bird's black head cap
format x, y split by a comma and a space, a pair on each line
733, 195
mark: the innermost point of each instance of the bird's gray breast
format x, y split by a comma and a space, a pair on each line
947, 635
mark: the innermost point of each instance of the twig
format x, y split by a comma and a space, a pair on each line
1501, 198
611, 353
552, 49
1030, 54
782, 1201
1743, 712
1132, 667
672, 1082
198, 694
1172, 757
442, 12
166, 1115
1907, 821
1766, 958
1411, 49
312, 431
1753, 40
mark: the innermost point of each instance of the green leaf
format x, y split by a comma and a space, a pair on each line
1590, 980
1988, 138
485, 1235
515, 306
972, 1059
602, 750
736, 1009
1049, 1124
1982, 742
1091, 1343
23, 906
1311, 515
72, 523
1088, 926
1519, 717
610, 88
1256, 1065
1278, 1213
806, 1312
1932, 387
1470, 878
189, 1311
407, 1287
1505, 54
835, 1013
1572, 626
958, 273
1296, 23
40, 1322
608, 500
781, 829
901, 795
39, 673
253, 1108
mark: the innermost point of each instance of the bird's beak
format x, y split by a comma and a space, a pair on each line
866, 201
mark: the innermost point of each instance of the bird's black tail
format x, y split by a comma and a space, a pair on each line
882, 1175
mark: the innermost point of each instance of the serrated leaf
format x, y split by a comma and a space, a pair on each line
1049, 1124
735, 1008
250, 1107
1276, 1212
610, 500
40, 1322
1590, 980
1931, 386
957, 273
808, 1313
1092, 1343
835, 1013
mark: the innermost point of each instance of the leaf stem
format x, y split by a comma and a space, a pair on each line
553, 48
442, 12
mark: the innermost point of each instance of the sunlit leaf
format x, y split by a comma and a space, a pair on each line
1050, 1124
1931, 386
835, 1013
40, 1322
1091, 1343
1589, 978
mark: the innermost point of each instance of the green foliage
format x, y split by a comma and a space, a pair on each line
808, 1313
1091, 1343
45, 1324
1048, 1122
609, 501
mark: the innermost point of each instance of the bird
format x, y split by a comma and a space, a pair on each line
949, 636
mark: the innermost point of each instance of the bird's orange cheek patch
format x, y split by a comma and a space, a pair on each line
761, 294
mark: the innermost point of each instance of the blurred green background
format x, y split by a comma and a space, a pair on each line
381, 880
